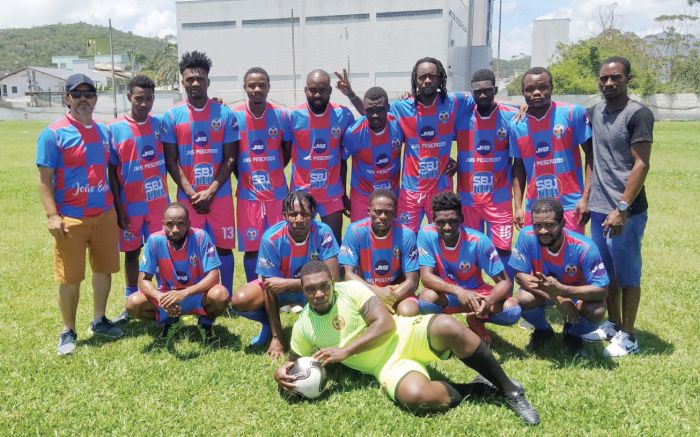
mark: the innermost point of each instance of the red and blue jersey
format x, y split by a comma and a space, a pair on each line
136, 150
200, 135
282, 257
429, 132
179, 268
462, 264
549, 149
316, 149
376, 157
79, 156
260, 160
379, 261
483, 172
578, 261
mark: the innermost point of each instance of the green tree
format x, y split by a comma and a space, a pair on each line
165, 66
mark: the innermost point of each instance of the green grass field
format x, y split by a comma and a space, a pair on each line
134, 386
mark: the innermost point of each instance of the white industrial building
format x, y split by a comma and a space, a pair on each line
547, 34
378, 40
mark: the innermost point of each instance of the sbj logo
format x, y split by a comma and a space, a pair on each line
318, 178
154, 188
547, 186
261, 181
428, 168
203, 174
482, 182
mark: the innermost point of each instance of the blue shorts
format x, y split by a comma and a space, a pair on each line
622, 254
291, 298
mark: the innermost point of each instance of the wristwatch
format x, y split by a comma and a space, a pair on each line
623, 206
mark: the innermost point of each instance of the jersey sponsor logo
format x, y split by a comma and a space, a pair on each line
598, 270
182, 277
127, 235
482, 182
216, 124
346, 251
203, 174
558, 130
501, 133
382, 184
395, 143
517, 255
571, 269
427, 133
318, 178
234, 124
338, 322
335, 131
265, 263
464, 266
193, 259
492, 254
483, 147
201, 139
320, 145
260, 180
381, 267
154, 188
272, 132
547, 186
148, 152
382, 160
428, 168
327, 241
542, 149
444, 116
251, 234
413, 255
423, 251
257, 147
397, 252
211, 251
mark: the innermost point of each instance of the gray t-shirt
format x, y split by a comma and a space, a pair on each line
613, 136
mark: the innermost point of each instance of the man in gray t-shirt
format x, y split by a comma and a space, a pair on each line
622, 137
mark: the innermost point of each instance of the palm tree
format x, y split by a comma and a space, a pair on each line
166, 65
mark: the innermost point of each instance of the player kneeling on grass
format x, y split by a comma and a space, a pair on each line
347, 323
557, 266
452, 258
381, 253
188, 275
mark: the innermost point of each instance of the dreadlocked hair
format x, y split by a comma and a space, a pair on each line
442, 78
305, 200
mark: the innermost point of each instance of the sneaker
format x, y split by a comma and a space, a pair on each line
285, 308
517, 402
538, 338
66, 342
296, 309
524, 324
621, 345
105, 328
605, 331
479, 327
122, 318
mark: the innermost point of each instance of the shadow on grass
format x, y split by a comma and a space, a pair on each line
504, 349
651, 344
188, 341
261, 350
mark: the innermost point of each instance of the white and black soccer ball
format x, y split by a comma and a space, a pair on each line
310, 377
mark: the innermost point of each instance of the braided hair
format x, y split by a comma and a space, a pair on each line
442, 78
301, 197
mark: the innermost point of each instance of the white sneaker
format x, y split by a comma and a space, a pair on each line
526, 325
621, 345
296, 309
605, 331
285, 308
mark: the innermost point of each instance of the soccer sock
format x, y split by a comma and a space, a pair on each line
429, 307
536, 318
226, 270
265, 332
128, 291
249, 264
205, 322
483, 361
582, 327
509, 316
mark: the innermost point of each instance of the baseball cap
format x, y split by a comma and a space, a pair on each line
77, 79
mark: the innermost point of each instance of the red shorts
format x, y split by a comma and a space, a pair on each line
359, 204
570, 221
140, 227
219, 223
497, 218
414, 205
254, 218
329, 206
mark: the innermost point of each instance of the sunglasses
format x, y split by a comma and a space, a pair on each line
88, 94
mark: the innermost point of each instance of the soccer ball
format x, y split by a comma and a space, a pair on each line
310, 377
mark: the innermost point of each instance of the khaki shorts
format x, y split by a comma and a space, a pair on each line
99, 235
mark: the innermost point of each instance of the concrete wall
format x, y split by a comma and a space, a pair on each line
546, 34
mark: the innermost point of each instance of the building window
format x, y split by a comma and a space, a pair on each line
410, 14
270, 22
14, 90
4, 90
338, 18
210, 25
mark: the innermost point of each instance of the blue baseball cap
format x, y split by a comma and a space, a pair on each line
78, 79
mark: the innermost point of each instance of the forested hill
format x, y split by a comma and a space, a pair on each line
42, 42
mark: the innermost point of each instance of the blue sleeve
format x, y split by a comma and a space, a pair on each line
328, 247
520, 260
286, 126
207, 253
347, 148
268, 260
409, 253
350, 250
149, 258
232, 131
349, 118
593, 267
513, 150
167, 129
580, 125
426, 257
464, 107
113, 153
489, 261
47, 150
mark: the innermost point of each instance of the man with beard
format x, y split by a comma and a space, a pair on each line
187, 265
284, 249
557, 266
381, 253
201, 138
137, 177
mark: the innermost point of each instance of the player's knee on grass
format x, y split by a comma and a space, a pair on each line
593, 311
216, 300
446, 333
528, 301
248, 298
408, 308
417, 393
138, 307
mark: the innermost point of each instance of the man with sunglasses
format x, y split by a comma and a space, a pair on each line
72, 157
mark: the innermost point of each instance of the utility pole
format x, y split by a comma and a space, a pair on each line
498, 51
114, 82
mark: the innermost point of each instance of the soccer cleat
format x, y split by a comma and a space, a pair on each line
621, 345
122, 318
479, 327
517, 402
66, 342
606, 331
538, 338
105, 328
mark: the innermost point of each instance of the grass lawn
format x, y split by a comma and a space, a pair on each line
134, 386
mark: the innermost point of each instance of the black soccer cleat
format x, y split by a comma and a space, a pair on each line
517, 402
538, 338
